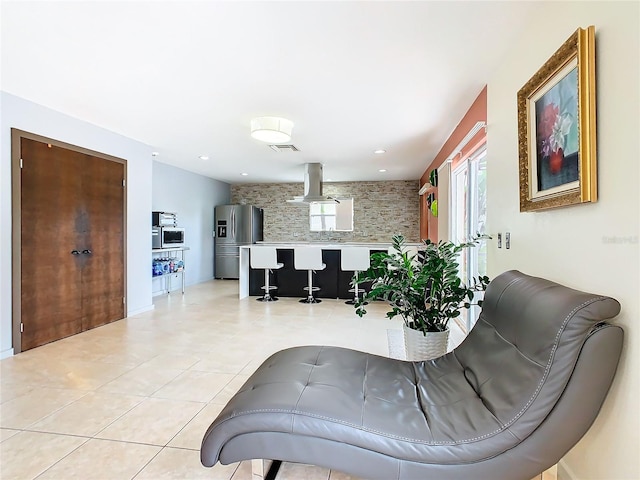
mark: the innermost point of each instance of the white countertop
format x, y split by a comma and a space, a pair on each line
329, 245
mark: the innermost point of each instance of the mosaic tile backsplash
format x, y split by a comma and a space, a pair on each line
380, 210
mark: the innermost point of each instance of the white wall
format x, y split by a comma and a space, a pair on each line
574, 245
28, 116
193, 197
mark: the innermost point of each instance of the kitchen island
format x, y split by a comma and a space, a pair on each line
333, 281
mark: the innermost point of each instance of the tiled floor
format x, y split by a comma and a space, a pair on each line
133, 399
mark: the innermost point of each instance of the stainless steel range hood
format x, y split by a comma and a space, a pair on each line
312, 187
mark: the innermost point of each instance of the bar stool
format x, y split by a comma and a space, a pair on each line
310, 259
354, 259
266, 258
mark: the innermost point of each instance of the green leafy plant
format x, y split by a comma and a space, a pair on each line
424, 287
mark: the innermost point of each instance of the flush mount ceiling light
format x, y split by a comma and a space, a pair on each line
271, 129
380, 151
203, 157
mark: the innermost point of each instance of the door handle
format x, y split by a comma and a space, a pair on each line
86, 252
75, 252
233, 225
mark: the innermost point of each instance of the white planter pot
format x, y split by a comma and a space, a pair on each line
418, 346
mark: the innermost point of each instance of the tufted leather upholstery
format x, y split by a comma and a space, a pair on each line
498, 406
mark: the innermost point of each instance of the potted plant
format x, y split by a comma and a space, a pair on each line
423, 288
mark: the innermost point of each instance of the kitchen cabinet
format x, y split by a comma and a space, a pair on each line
333, 281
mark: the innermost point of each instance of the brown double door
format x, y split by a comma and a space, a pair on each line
72, 242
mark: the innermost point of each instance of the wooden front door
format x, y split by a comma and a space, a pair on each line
72, 242
51, 281
102, 233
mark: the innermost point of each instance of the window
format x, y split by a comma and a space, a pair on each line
324, 217
468, 217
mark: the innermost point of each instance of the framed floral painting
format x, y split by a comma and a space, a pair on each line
557, 128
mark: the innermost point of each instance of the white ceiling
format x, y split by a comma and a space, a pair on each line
187, 77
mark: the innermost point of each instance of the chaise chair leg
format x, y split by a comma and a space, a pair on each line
264, 469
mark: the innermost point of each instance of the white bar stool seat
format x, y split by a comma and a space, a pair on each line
310, 259
267, 259
356, 259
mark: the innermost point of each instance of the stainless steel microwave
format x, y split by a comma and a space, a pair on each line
167, 237
163, 219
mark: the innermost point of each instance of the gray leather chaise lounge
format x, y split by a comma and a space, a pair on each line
508, 403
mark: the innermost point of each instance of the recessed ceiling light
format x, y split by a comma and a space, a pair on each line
244, 174
203, 157
379, 151
155, 154
382, 170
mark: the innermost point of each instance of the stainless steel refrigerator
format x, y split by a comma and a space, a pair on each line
235, 225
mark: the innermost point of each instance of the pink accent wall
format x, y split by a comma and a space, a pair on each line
476, 113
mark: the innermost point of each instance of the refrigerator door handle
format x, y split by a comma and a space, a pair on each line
235, 227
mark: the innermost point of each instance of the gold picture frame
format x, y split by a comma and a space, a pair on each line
557, 128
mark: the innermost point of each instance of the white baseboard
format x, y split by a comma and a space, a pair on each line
564, 472
6, 353
9, 351
148, 308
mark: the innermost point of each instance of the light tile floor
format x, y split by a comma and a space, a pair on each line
132, 400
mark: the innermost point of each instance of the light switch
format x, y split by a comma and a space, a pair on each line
499, 240
507, 240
